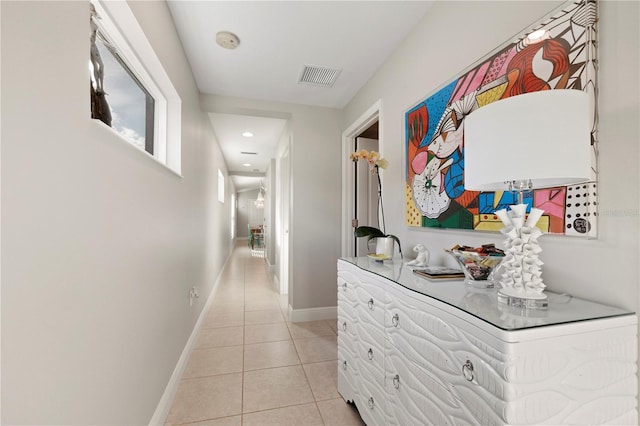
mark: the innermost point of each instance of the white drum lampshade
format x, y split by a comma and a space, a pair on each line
541, 136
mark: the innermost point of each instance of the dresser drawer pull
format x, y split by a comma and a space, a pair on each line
344, 326
396, 382
371, 304
344, 286
344, 365
371, 403
467, 370
395, 320
370, 354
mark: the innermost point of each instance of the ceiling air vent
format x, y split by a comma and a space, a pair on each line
319, 76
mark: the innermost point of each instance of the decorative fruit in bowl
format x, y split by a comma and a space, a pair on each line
478, 263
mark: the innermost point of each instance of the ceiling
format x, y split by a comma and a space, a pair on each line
247, 157
277, 39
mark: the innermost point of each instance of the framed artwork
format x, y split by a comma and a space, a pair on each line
558, 52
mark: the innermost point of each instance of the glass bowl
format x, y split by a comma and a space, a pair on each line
478, 268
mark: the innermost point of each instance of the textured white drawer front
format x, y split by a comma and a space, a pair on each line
419, 335
347, 321
370, 398
346, 291
347, 373
371, 301
348, 344
415, 397
370, 351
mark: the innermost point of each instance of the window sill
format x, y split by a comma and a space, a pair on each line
130, 145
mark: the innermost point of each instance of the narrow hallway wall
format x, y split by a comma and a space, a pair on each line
100, 243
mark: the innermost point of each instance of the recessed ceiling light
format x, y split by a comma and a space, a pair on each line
247, 134
247, 165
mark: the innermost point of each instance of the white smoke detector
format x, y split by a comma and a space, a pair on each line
227, 39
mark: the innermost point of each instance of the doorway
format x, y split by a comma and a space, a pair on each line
365, 190
367, 126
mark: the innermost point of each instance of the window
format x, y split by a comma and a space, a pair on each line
234, 206
220, 186
130, 90
129, 104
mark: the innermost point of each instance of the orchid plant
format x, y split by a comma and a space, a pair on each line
376, 162
374, 159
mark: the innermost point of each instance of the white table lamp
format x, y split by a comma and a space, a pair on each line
529, 141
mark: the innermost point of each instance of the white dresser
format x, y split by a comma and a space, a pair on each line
418, 352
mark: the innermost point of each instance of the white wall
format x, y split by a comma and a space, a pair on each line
246, 201
282, 207
315, 172
270, 203
605, 269
100, 244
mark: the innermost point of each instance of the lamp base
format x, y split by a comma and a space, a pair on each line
523, 300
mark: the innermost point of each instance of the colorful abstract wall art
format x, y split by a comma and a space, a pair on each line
561, 56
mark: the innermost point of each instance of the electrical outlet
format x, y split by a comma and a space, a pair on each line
193, 295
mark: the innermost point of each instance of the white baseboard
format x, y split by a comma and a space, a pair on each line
313, 314
275, 284
164, 405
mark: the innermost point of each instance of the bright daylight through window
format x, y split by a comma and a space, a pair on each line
130, 90
220, 186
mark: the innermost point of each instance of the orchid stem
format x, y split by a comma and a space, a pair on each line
380, 204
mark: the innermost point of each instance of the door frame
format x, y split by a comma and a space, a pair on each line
285, 221
370, 116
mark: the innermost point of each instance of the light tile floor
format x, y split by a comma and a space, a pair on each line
253, 367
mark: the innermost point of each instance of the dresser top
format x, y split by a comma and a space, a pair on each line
483, 303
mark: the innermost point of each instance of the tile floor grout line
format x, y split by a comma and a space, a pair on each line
274, 368
280, 408
205, 348
186, 379
244, 324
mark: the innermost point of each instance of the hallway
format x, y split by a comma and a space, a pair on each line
253, 367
